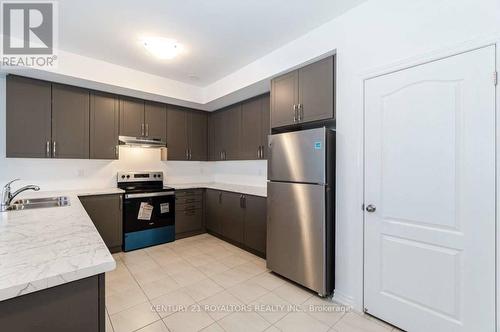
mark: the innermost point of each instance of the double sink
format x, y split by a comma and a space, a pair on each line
38, 203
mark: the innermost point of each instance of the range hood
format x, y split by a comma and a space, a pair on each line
142, 142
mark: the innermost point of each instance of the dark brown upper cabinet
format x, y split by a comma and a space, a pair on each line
197, 135
139, 118
104, 126
254, 128
304, 95
28, 118
284, 99
266, 124
186, 134
240, 131
227, 133
212, 154
251, 127
70, 122
155, 120
132, 117
177, 143
56, 117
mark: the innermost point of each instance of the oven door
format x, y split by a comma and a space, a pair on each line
143, 211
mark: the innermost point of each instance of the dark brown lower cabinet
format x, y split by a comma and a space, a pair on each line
232, 217
240, 219
189, 213
255, 223
213, 205
77, 306
105, 211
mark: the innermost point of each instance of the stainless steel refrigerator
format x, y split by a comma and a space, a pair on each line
301, 207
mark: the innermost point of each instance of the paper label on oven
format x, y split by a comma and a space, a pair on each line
164, 208
145, 211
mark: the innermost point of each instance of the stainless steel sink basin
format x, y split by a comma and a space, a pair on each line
38, 203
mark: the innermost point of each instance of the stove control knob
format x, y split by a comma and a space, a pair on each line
154, 175
123, 176
159, 175
128, 176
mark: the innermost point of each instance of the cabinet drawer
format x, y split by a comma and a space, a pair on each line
189, 192
188, 220
188, 200
188, 206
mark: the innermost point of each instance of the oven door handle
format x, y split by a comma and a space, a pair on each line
141, 195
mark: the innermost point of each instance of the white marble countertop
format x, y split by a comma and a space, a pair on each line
244, 189
46, 247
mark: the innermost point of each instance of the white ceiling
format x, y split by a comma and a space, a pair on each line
220, 36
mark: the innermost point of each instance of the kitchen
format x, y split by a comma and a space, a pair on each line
189, 193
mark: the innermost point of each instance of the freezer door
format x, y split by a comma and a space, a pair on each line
298, 156
296, 233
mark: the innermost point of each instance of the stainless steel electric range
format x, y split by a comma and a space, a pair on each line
148, 210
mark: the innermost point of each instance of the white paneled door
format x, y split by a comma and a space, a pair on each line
430, 195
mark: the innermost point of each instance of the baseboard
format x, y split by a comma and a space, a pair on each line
341, 298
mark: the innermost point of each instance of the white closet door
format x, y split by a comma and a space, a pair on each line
430, 176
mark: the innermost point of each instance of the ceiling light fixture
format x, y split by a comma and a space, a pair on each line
162, 48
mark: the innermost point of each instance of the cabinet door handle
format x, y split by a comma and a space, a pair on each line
244, 201
190, 154
301, 112
147, 129
225, 156
294, 112
121, 202
116, 151
142, 129
220, 197
47, 149
54, 149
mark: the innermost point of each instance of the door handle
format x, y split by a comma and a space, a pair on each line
190, 154
220, 197
53, 149
371, 208
147, 129
301, 112
47, 150
142, 129
294, 112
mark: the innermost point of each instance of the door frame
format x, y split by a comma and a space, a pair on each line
408, 63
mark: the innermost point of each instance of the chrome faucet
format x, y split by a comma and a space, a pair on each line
7, 196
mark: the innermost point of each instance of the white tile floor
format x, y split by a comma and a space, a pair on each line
203, 283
